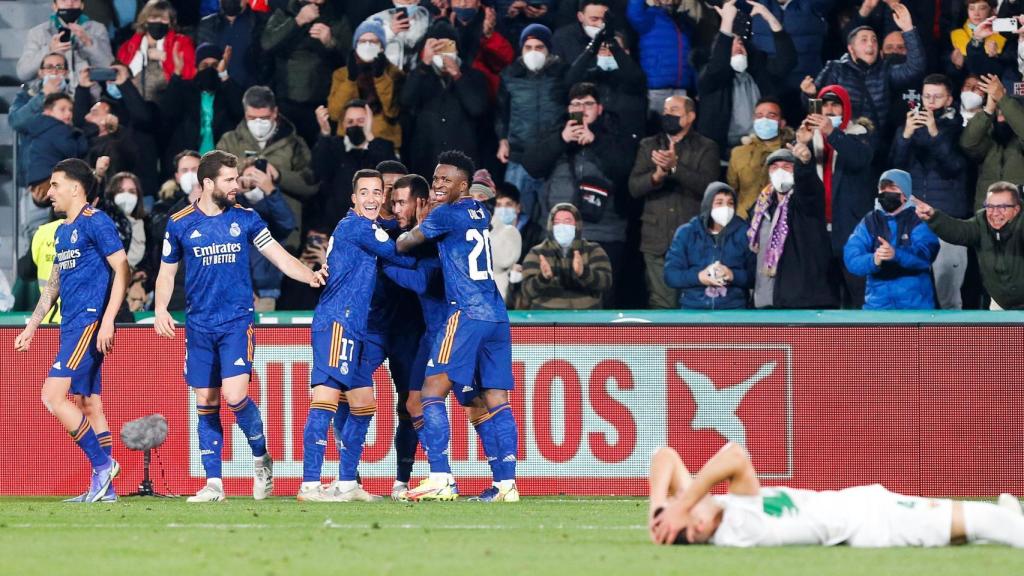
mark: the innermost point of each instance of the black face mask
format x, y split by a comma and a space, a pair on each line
207, 79
670, 124
157, 30
890, 201
231, 7
69, 15
894, 59
355, 135
862, 63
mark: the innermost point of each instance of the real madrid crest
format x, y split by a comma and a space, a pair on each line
344, 368
380, 235
235, 229
74, 236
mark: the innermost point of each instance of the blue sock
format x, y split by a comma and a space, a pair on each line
405, 448
436, 434
248, 418
507, 435
106, 442
340, 417
85, 437
314, 439
486, 430
211, 439
353, 436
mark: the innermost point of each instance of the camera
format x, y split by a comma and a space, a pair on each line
102, 74
1005, 25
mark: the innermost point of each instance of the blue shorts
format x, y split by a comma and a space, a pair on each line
79, 360
211, 357
475, 354
404, 360
400, 352
335, 358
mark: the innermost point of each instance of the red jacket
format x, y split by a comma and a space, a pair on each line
173, 41
495, 54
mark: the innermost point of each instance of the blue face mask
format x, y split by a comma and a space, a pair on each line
836, 121
506, 214
607, 63
766, 128
114, 91
465, 14
564, 234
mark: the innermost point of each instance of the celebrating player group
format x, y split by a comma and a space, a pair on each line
437, 247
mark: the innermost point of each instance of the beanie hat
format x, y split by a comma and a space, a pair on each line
371, 27
208, 50
538, 31
482, 184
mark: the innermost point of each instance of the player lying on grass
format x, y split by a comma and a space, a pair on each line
90, 272
682, 511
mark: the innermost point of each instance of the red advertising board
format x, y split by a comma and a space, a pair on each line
930, 410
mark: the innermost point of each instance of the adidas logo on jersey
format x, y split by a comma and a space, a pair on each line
430, 363
467, 388
509, 458
239, 362
56, 365
195, 234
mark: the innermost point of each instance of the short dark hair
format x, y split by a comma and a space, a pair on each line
52, 99
259, 97
460, 160
392, 167
354, 103
584, 3
584, 89
1004, 186
211, 163
417, 185
768, 100
79, 171
185, 154
366, 173
508, 190
937, 80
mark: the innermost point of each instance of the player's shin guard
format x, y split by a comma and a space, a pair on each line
248, 418
106, 442
485, 429
353, 436
211, 439
436, 434
85, 437
991, 523
314, 439
507, 435
405, 448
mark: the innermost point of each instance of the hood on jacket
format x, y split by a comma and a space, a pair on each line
844, 97
575, 214
709, 197
900, 178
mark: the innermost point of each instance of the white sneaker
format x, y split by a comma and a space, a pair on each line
263, 478
356, 494
1011, 503
398, 490
209, 493
318, 493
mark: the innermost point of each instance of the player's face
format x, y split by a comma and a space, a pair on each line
449, 184
368, 197
704, 520
62, 191
404, 205
225, 187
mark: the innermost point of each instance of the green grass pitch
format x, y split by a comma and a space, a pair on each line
561, 536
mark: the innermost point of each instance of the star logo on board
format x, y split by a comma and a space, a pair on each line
716, 407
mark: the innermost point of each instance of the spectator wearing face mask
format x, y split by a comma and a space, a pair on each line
51, 78
976, 32
709, 261
404, 26
530, 100
124, 194
747, 173
175, 194
479, 41
894, 249
68, 32
665, 50
259, 193
572, 39
239, 27
972, 99
506, 243
369, 77
157, 50
566, 271
51, 137
994, 139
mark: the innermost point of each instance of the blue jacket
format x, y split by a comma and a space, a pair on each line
694, 248
937, 165
266, 278
664, 47
905, 282
804, 21
50, 141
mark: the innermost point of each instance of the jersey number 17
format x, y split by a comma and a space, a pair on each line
482, 243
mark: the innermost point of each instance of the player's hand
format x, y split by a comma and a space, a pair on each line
667, 526
924, 211
105, 338
319, 277
24, 340
545, 268
164, 324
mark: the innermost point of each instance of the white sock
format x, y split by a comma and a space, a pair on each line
399, 483
442, 477
506, 485
346, 485
307, 485
991, 523
215, 483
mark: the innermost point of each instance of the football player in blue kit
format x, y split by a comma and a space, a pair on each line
473, 354
90, 273
210, 236
339, 331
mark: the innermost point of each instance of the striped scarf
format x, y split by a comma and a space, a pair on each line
778, 238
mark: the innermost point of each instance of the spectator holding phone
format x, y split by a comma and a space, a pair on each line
259, 193
157, 51
70, 33
994, 139
404, 26
978, 14
572, 39
51, 78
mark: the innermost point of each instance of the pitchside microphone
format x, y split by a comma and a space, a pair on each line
145, 434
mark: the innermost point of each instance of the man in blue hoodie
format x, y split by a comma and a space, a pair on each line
894, 249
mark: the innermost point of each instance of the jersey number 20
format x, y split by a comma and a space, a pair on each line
482, 244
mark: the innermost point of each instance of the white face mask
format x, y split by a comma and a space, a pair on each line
738, 62
126, 201
255, 195
782, 180
534, 60
188, 181
592, 31
564, 234
970, 100
367, 51
260, 128
607, 63
722, 215
515, 276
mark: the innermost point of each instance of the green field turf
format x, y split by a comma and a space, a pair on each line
537, 536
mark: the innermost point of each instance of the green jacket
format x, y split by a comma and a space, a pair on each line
1000, 253
996, 162
302, 64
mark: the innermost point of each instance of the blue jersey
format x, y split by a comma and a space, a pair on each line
82, 248
352, 255
218, 286
427, 281
464, 243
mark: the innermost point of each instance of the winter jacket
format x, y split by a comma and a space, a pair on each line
871, 88
564, 290
804, 21
529, 103
301, 62
399, 48
569, 41
506, 246
248, 66
387, 83
333, 167
50, 141
715, 84
937, 165
37, 46
173, 42
664, 46
996, 161
905, 282
623, 91
181, 114
678, 198
747, 173
694, 248
1000, 253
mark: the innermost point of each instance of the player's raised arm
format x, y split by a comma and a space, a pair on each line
164, 323
46, 300
409, 240
118, 262
290, 265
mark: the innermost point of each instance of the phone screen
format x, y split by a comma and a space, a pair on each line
814, 105
576, 117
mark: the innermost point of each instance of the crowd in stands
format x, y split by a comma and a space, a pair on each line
634, 153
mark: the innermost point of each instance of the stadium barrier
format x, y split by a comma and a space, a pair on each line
928, 404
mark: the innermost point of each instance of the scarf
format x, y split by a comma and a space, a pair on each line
779, 234
745, 95
141, 57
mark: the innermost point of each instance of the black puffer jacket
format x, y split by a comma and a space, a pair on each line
529, 103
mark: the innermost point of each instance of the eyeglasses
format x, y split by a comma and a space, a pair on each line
585, 104
54, 68
1000, 207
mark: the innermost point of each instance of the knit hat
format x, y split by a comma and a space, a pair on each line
850, 36
208, 50
900, 178
780, 155
482, 184
537, 31
371, 27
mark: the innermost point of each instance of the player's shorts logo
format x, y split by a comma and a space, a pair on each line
235, 230
343, 368
74, 236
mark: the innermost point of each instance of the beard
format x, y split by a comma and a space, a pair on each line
222, 199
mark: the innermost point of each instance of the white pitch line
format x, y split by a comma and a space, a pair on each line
326, 524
